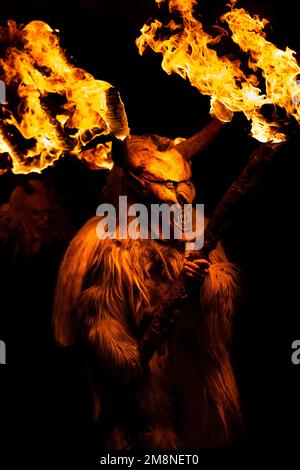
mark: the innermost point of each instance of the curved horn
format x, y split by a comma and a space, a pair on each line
117, 123
116, 118
192, 146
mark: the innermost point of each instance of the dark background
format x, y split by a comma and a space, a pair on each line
100, 36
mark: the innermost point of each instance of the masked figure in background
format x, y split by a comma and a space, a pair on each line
34, 232
109, 289
32, 221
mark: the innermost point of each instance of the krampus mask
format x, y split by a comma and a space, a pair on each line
158, 168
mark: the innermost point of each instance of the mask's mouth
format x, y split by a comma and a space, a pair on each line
175, 228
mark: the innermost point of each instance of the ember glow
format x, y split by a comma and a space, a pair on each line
60, 108
189, 51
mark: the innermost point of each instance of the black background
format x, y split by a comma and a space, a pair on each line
100, 36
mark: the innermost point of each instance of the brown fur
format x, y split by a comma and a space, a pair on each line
105, 289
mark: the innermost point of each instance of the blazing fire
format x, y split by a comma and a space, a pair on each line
189, 51
60, 108
56, 109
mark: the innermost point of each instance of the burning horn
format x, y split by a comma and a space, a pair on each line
116, 118
117, 124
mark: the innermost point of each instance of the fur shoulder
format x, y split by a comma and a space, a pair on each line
76, 262
110, 269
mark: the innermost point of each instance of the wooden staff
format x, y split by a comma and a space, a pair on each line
168, 310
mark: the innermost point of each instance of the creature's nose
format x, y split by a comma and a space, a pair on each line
183, 194
181, 198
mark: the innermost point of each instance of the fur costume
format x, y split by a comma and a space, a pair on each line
107, 292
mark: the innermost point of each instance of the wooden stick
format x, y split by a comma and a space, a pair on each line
168, 310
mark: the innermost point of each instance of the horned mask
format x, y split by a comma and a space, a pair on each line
158, 168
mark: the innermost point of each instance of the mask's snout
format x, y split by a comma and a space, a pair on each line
185, 193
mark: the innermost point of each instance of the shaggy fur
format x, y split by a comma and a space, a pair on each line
106, 295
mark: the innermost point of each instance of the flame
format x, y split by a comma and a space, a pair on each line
60, 109
279, 67
188, 51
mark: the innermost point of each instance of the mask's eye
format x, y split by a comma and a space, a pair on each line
170, 184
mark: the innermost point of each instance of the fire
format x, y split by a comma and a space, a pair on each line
279, 68
189, 51
61, 108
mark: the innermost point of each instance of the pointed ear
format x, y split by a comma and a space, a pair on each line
136, 184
